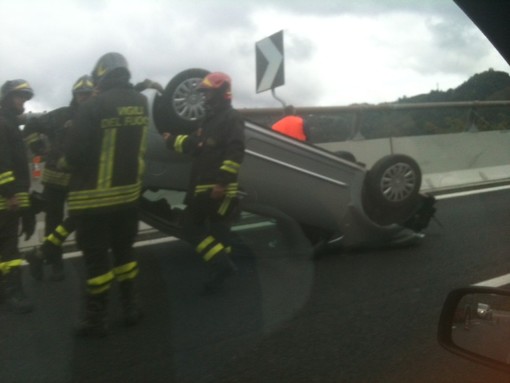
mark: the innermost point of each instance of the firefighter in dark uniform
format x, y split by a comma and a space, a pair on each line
217, 149
54, 126
14, 198
104, 150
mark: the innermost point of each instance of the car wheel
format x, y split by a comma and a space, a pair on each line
180, 106
392, 189
394, 180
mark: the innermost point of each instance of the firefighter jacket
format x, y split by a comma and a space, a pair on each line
53, 126
104, 149
292, 126
14, 172
217, 149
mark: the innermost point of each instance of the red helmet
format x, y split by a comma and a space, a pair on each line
219, 82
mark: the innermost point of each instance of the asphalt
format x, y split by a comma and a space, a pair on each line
186, 336
364, 316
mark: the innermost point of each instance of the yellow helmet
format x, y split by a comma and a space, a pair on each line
18, 86
108, 63
84, 84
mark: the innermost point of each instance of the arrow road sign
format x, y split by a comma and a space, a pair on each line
269, 59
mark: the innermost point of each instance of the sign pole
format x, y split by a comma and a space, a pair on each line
278, 98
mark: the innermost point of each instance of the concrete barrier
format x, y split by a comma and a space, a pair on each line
446, 160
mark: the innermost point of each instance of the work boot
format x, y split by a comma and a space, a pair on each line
14, 296
35, 259
221, 268
130, 300
93, 324
53, 255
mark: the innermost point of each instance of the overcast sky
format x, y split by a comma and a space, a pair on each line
337, 52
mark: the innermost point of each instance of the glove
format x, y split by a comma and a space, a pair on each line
156, 86
13, 203
27, 224
149, 84
141, 86
62, 164
218, 191
37, 202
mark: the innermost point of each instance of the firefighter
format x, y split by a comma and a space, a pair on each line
54, 126
292, 125
217, 149
104, 150
14, 198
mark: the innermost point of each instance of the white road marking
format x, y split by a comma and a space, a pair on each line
472, 192
495, 282
148, 242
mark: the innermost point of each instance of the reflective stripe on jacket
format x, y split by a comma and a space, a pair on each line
14, 171
217, 151
105, 149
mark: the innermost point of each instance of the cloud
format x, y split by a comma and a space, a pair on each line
336, 52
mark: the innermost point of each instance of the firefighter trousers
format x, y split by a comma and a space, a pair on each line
207, 225
55, 199
9, 253
96, 235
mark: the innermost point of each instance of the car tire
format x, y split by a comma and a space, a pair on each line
180, 107
392, 188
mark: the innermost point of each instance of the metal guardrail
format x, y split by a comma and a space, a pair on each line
249, 112
268, 116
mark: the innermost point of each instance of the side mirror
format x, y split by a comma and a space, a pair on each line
475, 324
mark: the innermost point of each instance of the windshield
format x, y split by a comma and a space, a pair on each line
249, 191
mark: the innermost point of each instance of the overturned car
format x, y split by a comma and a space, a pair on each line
333, 199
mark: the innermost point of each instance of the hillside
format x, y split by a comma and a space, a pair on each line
486, 86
